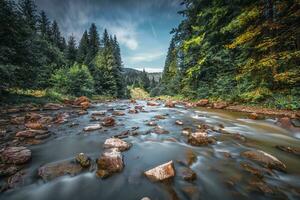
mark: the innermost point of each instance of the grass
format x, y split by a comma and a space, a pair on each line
138, 93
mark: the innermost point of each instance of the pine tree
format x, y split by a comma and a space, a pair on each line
28, 10
105, 39
44, 25
94, 43
55, 34
71, 50
83, 48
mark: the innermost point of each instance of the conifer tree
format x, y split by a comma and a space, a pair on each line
71, 50
83, 48
44, 25
94, 43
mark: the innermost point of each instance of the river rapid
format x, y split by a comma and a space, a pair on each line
222, 172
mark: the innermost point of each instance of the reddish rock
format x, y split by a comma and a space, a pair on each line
15, 155
288, 149
265, 159
198, 139
116, 143
85, 105
253, 116
152, 103
54, 170
61, 118
80, 100
139, 107
35, 125
133, 111
111, 161
220, 105
31, 133
170, 104
161, 172
132, 101
118, 113
33, 117
285, 122
202, 102
108, 121
83, 112
52, 106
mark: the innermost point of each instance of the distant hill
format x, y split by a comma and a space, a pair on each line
134, 76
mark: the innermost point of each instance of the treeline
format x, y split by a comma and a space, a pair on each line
238, 50
35, 55
140, 79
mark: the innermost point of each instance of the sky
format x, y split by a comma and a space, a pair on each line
141, 26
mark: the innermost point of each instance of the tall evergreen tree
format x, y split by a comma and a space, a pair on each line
44, 25
55, 34
28, 10
94, 43
83, 48
71, 50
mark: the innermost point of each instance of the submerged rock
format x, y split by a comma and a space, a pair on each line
53, 170
116, 143
16, 180
15, 155
265, 159
99, 113
187, 174
288, 149
139, 107
111, 161
160, 117
161, 172
108, 121
92, 127
83, 160
118, 113
158, 130
133, 111
7, 169
198, 139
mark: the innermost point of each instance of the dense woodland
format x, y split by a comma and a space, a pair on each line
238, 50
35, 55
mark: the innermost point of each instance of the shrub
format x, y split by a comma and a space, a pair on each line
75, 81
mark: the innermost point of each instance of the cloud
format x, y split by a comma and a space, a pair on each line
150, 69
146, 57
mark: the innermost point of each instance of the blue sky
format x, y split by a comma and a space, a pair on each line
141, 26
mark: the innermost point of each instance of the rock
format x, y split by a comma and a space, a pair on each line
295, 122
83, 160
261, 186
7, 170
99, 113
17, 120
198, 139
191, 191
288, 149
161, 172
118, 113
133, 111
80, 100
186, 131
285, 122
83, 112
61, 118
18, 179
31, 133
187, 174
111, 161
92, 127
252, 170
108, 121
265, 159
159, 117
202, 102
15, 155
85, 105
52, 106
145, 198
158, 130
178, 122
152, 103
33, 117
116, 143
139, 107
220, 105
53, 170
151, 123
35, 125
253, 116
132, 101
170, 104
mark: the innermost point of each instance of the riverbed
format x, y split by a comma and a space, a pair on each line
220, 168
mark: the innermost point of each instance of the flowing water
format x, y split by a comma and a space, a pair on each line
218, 176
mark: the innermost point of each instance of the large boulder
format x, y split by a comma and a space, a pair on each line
198, 139
108, 121
15, 155
202, 102
161, 172
53, 170
83, 160
265, 159
116, 143
111, 161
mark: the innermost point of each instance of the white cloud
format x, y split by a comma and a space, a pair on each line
146, 57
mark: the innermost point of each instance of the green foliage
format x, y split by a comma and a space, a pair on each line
76, 80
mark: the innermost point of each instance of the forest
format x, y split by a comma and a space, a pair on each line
238, 51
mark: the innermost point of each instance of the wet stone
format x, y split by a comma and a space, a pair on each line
158, 130
178, 122
15, 155
16, 180
92, 127
7, 170
288, 149
108, 121
116, 143
198, 139
118, 113
187, 174
83, 160
161, 172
